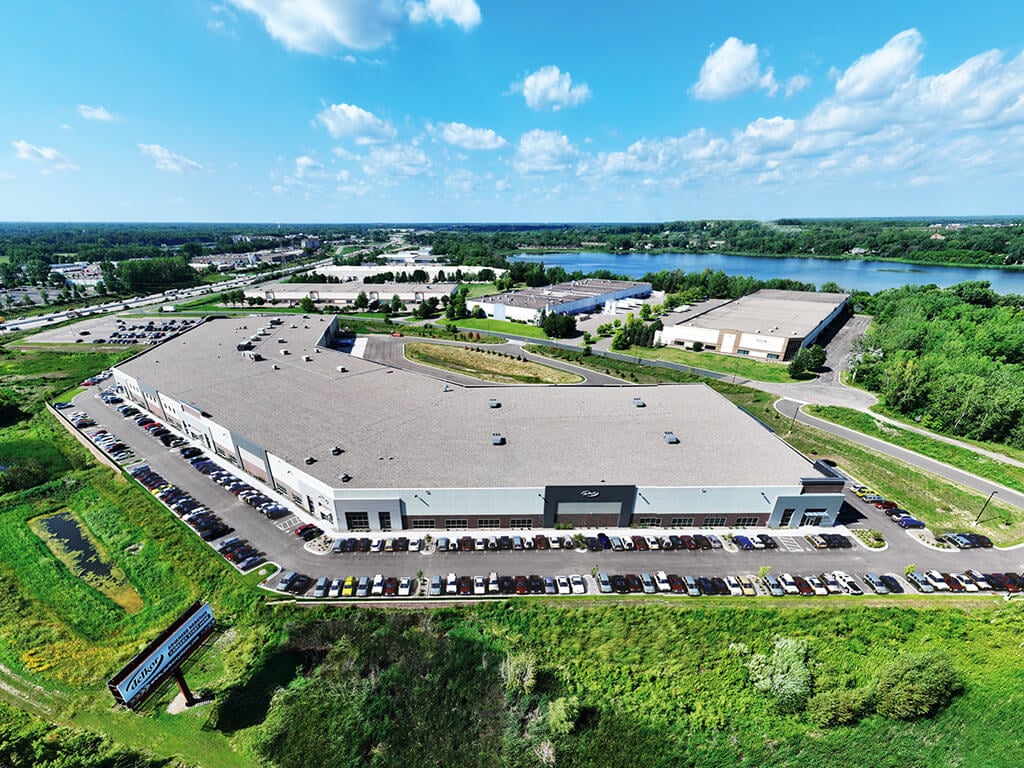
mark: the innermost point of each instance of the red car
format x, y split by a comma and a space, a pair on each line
521, 587
303, 528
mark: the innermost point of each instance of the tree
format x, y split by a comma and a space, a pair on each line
306, 304
784, 673
915, 686
479, 313
396, 304
362, 301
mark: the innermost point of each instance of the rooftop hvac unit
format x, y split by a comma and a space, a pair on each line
336, 451
493, 403
310, 460
284, 351
497, 438
307, 359
671, 439
341, 369
639, 403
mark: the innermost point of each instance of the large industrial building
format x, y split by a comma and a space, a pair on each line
768, 324
345, 294
358, 445
586, 295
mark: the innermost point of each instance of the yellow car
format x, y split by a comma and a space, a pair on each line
862, 491
349, 588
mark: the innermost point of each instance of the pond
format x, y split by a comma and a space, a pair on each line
70, 542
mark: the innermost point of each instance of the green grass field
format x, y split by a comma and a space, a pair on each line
970, 461
738, 366
502, 326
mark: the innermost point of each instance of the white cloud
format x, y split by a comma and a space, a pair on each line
797, 83
461, 135
501, 185
464, 13
51, 158
460, 181
323, 26
541, 151
308, 168
731, 70
165, 160
879, 73
550, 88
769, 131
396, 160
347, 121
96, 113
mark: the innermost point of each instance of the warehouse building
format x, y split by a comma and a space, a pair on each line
575, 297
345, 294
357, 445
768, 324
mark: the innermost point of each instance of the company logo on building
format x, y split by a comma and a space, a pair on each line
590, 494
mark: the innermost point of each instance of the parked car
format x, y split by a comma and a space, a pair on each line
435, 585
875, 583
920, 582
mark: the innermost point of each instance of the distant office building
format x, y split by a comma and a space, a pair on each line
768, 324
572, 298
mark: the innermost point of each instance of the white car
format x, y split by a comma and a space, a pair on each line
492, 582
451, 585
661, 579
978, 578
846, 582
653, 542
378, 585
480, 545
817, 586
788, 585
405, 586
936, 580
335, 589
734, 586
578, 587
479, 585
967, 581
377, 545
563, 585
415, 545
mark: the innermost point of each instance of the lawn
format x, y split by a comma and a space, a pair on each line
487, 365
962, 458
737, 366
502, 326
480, 289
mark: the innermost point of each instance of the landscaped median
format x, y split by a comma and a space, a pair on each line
487, 364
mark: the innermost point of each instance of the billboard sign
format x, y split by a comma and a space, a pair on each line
163, 656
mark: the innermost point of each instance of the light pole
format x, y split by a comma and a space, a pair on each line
983, 506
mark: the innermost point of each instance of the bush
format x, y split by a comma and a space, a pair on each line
840, 707
916, 686
784, 674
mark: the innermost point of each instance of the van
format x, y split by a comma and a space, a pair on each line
320, 590
285, 580
377, 588
442, 544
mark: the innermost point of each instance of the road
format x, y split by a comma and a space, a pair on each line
795, 554
789, 407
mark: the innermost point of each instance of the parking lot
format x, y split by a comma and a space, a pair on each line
116, 329
277, 542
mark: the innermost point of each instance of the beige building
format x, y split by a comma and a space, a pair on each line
768, 324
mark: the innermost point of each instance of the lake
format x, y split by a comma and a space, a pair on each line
872, 276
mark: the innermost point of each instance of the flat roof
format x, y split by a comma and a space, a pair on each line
560, 293
402, 429
352, 288
771, 312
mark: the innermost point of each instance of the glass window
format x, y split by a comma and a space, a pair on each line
521, 522
357, 521
423, 523
488, 523
649, 521
742, 351
453, 525
385, 520
682, 522
714, 521
772, 356
787, 517
746, 521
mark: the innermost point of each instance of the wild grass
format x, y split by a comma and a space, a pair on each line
488, 366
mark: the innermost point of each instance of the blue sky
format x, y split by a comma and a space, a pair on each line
508, 110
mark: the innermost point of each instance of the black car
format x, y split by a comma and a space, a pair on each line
604, 541
702, 541
535, 584
504, 543
506, 585
768, 541
593, 545
299, 584
705, 586
619, 585
891, 584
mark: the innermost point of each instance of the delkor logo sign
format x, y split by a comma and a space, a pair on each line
162, 656
590, 494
